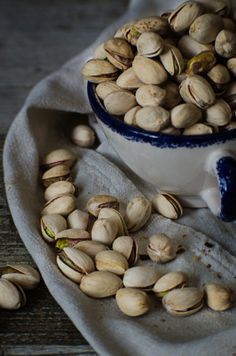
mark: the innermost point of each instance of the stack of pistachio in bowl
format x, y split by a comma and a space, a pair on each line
172, 73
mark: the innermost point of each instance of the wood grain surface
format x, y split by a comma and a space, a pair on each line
36, 38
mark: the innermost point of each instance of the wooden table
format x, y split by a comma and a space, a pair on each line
36, 38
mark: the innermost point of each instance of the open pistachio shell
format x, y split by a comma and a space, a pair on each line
56, 173
168, 282
161, 248
130, 116
58, 189
98, 202
116, 218
104, 231
201, 63
99, 70
100, 284
11, 296
78, 219
59, 156
106, 88
172, 60
184, 15
150, 44
62, 205
138, 211
52, 224
119, 53
132, 302
24, 275
167, 205
191, 48
70, 237
128, 247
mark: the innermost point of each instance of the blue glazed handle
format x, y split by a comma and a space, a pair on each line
226, 174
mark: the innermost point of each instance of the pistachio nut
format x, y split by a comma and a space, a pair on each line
150, 44
201, 63
23, 275
191, 48
124, 30
130, 116
132, 302
100, 52
171, 131
140, 277
51, 225
78, 219
58, 189
231, 126
196, 89
111, 261
230, 95
11, 296
184, 15
218, 297
129, 80
119, 102
119, 53
116, 218
161, 248
150, 95
153, 118
206, 27
199, 129
100, 284
173, 97
219, 114
138, 212
229, 24
70, 238
167, 205
55, 174
106, 88
83, 136
62, 205
56, 157
219, 76
225, 44
74, 264
128, 247
231, 65
104, 231
149, 71
99, 70
185, 115
98, 202
220, 7
183, 301
168, 282
91, 248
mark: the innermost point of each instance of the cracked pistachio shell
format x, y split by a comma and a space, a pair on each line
74, 264
171, 131
138, 212
231, 65
111, 261
172, 60
70, 237
100, 284
150, 44
56, 174
119, 53
124, 30
91, 248
83, 136
218, 297
59, 188
167, 205
106, 88
183, 301
132, 302
199, 129
24, 275
116, 218
128, 247
220, 7
161, 248
219, 74
119, 102
149, 71
184, 15
168, 282
219, 114
206, 27
150, 95
129, 80
196, 90
11, 296
100, 52
99, 70
185, 115
78, 219
130, 116
59, 156
229, 24
98, 202
104, 231
225, 44
62, 205
153, 118
51, 225
191, 48
173, 97
140, 277
230, 95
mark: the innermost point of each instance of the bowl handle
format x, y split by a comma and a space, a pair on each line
220, 195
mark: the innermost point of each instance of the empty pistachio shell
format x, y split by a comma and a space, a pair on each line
161, 248
138, 211
91, 248
83, 136
11, 296
140, 277
229, 24
100, 284
201, 63
150, 44
24, 275
132, 302
74, 263
225, 44
128, 247
119, 102
230, 95
231, 64
220, 7
106, 88
104, 231
199, 129
62, 205
100, 52
129, 80
149, 71
173, 97
57, 173
116, 218
78, 219
70, 237
183, 301
51, 225
168, 282
185, 115
150, 95
218, 297
58, 189
184, 15
153, 118
190, 48
99, 70
119, 53
167, 205
206, 27
219, 75
219, 114
130, 116
59, 156
98, 202
111, 261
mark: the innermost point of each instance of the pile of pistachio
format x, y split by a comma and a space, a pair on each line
173, 73
95, 250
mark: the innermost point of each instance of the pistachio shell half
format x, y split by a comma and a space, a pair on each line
100, 284
218, 297
168, 282
111, 261
51, 225
24, 275
138, 211
161, 248
132, 302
